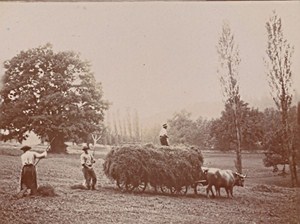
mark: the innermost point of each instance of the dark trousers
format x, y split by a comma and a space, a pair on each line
28, 178
90, 177
164, 140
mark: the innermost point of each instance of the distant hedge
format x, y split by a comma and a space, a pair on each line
138, 165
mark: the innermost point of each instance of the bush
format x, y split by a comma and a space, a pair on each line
274, 159
133, 165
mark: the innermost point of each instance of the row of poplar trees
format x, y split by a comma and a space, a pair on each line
278, 64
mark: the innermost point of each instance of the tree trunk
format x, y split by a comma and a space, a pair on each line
238, 153
289, 149
292, 171
96, 138
238, 164
57, 144
294, 150
293, 154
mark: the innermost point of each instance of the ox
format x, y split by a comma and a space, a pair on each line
222, 179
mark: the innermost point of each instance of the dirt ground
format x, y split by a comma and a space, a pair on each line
266, 197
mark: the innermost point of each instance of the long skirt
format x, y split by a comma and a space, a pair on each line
28, 178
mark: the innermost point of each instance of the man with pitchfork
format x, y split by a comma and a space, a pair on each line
87, 160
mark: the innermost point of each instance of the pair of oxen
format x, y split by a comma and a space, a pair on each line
221, 179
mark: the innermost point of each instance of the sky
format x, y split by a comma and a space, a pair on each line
155, 57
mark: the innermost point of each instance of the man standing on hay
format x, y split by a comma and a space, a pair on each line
163, 135
87, 160
28, 174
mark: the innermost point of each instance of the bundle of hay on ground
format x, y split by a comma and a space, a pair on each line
46, 191
135, 166
79, 186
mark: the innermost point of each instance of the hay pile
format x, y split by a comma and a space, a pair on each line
46, 191
79, 186
265, 188
159, 166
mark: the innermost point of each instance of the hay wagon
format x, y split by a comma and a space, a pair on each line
169, 170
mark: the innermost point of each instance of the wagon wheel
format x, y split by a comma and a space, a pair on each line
125, 186
193, 185
121, 185
182, 190
166, 189
141, 187
199, 187
172, 190
129, 187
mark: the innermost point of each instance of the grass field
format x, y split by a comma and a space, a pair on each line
266, 197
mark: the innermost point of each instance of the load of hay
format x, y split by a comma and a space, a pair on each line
135, 165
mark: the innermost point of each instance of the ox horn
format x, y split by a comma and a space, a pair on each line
240, 175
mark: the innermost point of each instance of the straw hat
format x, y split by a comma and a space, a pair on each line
25, 148
85, 148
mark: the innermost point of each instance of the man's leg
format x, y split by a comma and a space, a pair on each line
94, 178
86, 177
164, 141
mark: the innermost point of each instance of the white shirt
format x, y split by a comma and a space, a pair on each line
29, 157
87, 159
163, 132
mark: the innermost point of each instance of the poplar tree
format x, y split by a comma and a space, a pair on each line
279, 72
229, 60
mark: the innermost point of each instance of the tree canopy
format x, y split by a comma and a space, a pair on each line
273, 141
184, 130
54, 95
224, 132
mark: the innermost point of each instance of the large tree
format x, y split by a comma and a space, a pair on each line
275, 153
224, 132
54, 95
278, 62
184, 130
229, 60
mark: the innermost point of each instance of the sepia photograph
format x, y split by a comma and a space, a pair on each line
149, 112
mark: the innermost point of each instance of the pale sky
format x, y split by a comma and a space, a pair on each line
154, 56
